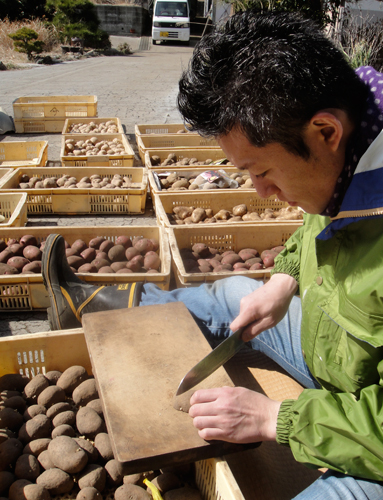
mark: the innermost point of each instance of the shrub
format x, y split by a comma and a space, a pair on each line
78, 18
26, 40
124, 48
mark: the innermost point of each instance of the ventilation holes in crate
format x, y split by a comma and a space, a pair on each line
31, 362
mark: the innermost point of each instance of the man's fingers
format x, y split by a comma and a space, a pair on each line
254, 329
205, 422
204, 396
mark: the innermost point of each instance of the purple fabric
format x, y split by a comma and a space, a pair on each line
369, 128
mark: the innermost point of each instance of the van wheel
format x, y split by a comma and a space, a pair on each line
154, 41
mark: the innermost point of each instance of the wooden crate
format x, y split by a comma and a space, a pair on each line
216, 155
14, 154
122, 160
82, 201
13, 207
217, 200
4, 174
63, 106
260, 236
31, 354
162, 129
69, 122
25, 292
173, 142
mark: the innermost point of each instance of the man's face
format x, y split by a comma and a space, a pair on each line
308, 184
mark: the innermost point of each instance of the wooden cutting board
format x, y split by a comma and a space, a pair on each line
139, 357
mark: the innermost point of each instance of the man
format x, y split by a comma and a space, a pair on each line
284, 105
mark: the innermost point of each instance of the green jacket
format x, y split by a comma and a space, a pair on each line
339, 267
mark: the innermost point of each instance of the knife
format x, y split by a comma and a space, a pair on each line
216, 358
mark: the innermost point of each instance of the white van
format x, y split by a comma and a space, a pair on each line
171, 21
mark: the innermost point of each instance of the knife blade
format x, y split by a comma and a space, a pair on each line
216, 358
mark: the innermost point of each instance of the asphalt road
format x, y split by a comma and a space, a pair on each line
140, 88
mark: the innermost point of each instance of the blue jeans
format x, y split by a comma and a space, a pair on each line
214, 307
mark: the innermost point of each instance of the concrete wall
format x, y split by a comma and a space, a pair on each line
121, 19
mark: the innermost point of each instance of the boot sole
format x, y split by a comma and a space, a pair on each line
53, 316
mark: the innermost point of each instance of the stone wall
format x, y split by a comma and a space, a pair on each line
123, 19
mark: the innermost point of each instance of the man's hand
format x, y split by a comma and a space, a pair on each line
234, 414
266, 306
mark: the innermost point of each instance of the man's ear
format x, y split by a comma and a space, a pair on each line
327, 128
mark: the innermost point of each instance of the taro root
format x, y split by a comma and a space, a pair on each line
57, 408
37, 446
27, 467
96, 242
10, 419
63, 430
45, 460
36, 386
53, 376
16, 403
167, 481
66, 417
103, 446
93, 475
114, 472
89, 423
10, 450
35, 428
56, 481
97, 406
198, 215
89, 493
240, 210
71, 378
131, 492
67, 455
85, 392
89, 449
51, 395
6, 479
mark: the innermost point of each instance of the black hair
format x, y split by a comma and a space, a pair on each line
267, 75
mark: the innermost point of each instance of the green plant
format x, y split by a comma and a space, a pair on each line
25, 40
124, 48
78, 18
361, 40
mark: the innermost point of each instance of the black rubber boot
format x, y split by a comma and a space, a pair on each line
71, 297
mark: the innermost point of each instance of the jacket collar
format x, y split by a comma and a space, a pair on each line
364, 196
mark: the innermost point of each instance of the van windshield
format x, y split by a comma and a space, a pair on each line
171, 9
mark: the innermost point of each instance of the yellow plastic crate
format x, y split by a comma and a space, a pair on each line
217, 200
69, 122
14, 154
260, 236
13, 207
36, 353
189, 173
216, 155
4, 174
39, 125
123, 160
63, 106
162, 129
173, 142
25, 292
82, 201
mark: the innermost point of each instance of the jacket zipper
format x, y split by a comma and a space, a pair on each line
359, 213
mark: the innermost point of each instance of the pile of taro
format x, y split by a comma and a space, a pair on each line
54, 441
